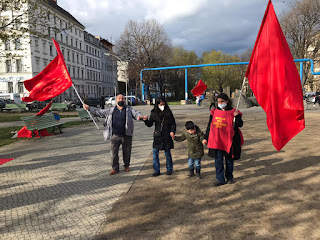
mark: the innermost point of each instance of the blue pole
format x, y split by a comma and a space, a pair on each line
142, 86
186, 83
301, 73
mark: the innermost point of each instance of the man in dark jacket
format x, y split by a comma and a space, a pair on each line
119, 128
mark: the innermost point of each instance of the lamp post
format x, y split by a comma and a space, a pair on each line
126, 78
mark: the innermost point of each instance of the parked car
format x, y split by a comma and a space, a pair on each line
35, 106
2, 104
94, 102
111, 102
132, 100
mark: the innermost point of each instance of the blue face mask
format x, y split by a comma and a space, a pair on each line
222, 105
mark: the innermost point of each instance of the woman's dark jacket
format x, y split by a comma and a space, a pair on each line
235, 152
164, 141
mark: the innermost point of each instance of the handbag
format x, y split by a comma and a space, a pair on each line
158, 133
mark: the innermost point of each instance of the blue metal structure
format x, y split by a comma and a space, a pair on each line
301, 61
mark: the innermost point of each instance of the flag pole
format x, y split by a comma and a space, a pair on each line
82, 104
244, 80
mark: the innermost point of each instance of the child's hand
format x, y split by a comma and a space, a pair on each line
204, 142
172, 135
236, 113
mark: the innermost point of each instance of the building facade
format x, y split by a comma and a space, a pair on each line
25, 57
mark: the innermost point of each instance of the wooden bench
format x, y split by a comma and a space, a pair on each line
59, 107
42, 122
84, 115
15, 107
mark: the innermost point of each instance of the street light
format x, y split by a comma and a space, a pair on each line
121, 61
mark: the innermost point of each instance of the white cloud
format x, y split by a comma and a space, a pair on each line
200, 25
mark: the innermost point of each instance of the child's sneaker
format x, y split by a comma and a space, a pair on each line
198, 173
191, 173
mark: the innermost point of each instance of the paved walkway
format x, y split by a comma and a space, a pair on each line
58, 187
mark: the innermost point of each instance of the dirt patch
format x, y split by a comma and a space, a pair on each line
276, 194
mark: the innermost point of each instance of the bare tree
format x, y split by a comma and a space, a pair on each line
144, 44
301, 26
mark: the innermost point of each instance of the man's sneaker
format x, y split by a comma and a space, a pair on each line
127, 169
113, 172
155, 174
169, 173
218, 184
230, 181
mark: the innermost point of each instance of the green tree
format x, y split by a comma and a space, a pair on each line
221, 76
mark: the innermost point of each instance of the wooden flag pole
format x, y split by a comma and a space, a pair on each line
82, 104
244, 80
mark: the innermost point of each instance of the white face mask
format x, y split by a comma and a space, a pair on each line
222, 105
161, 107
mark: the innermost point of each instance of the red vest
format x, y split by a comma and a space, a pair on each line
221, 130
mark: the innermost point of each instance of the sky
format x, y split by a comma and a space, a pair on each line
230, 26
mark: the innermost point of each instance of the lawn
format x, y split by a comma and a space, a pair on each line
5, 132
11, 117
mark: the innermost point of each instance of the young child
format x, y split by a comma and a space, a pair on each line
194, 137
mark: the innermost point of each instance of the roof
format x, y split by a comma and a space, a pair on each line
54, 5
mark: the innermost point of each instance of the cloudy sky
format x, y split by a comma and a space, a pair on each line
200, 25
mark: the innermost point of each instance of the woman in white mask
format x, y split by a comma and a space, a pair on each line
224, 138
164, 131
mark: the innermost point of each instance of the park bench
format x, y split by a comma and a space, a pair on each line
83, 114
59, 107
15, 107
42, 122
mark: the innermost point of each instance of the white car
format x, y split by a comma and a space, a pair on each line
111, 102
132, 100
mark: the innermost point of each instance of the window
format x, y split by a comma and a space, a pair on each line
86, 48
76, 43
8, 66
77, 58
62, 51
68, 55
44, 45
49, 32
18, 65
67, 40
81, 59
20, 87
80, 46
7, 45
73, 57
51, 50
71, 42
61, 37
17, 44
82, 73
10, 87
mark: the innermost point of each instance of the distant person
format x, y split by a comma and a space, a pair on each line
164, 131
119, 128
195, 140
102, 102
224, 138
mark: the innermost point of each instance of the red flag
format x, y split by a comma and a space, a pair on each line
275, 81
52, 81
4, 160
199, 88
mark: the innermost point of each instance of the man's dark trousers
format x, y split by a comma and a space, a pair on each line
126, 142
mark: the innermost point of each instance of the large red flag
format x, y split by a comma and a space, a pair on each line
199, 88
52, 81
275, 81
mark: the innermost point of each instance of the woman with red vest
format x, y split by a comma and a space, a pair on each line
224, 139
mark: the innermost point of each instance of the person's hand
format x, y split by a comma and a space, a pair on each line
172, 135
236, 113
139, 118
85, 107
145, 118
204, 142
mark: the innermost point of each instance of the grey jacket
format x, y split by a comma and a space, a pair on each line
107, 115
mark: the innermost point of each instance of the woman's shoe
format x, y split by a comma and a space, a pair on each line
155, 174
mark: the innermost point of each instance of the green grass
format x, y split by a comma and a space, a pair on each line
12, 117
5, 133
174, 103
